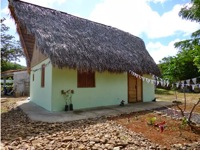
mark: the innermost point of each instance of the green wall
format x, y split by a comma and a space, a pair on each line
110, 89
41, 96
148, 90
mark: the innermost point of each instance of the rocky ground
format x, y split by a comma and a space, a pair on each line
174, 113
19, 132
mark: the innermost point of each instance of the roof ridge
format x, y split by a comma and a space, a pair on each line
55, 10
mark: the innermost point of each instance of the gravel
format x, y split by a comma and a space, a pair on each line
19, 132
173, 113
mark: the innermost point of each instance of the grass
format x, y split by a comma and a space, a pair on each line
164, 92
169, 95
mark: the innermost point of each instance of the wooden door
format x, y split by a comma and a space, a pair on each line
139, 89
132, 88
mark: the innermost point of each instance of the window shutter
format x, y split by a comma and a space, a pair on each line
43, 75
86, 79
81, 79
91, 79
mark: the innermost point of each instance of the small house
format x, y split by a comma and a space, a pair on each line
20, 82
66, 52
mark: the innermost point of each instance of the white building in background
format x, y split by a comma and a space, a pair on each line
21, 81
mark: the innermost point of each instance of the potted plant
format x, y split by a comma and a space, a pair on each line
68, 97
70, 100
66, 107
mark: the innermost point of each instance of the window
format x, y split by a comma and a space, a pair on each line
86, 79
43, 75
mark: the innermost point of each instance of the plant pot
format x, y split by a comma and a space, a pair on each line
66, 107
70, 106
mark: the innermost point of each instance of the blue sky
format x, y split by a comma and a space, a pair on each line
155, 21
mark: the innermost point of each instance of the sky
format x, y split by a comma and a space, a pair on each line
155, 21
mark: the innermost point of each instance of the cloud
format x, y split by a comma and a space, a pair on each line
123, 14
137, 17
157, 1
169, 24
5, 11
22, 61
159, 51
9, 22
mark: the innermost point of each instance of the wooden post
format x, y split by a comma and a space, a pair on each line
184, 99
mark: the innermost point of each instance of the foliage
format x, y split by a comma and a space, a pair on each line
160, 125
7, 84
186, 64
152, 121
10, 66
191, 12
179, 67
10, 49
68, 95
192, 45
185, 120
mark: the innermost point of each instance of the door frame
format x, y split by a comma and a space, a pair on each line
129, 74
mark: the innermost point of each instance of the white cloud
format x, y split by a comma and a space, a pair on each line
124, 14
5, 11
137, 17
170, 23
22, 61
9, 21
157, 1
159, 51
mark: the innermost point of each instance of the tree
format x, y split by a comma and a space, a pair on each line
192, 45
10, 49
10, 66
179, 67
169, 68
186, 64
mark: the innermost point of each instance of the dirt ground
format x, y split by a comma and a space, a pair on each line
174, 132
8, 102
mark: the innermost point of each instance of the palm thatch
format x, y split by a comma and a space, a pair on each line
78, 43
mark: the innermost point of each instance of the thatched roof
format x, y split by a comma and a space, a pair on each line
74, 42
